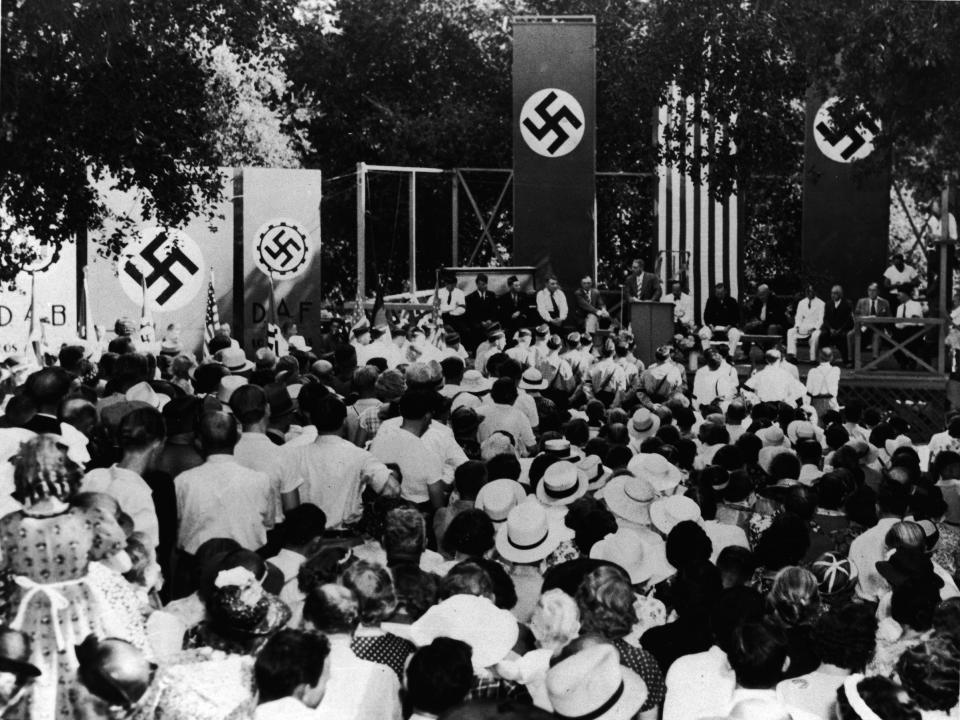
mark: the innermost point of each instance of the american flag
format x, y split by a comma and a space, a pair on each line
698, 238
211, 321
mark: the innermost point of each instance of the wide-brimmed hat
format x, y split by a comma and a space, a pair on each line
803, 430
228, 386
657, 470
629, 497
768, 453
497, 444
592, 472
629, 550
667, 512
15, 654
892, 445
866, 453
593, 684
643, 424
560, 448
528, 535
489, 631
234, 360
474, 382
298, 343
560, 484
532, 379
143, 392
231, 605
908, 565
498, 497
773, 436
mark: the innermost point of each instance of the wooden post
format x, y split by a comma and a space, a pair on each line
361, 229
413, 231
945, 272
455, 217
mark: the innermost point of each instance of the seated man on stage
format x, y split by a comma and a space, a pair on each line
907, 307
870, 306
513, 306
806, 324
453, 303
766, 314
721, 316
682, 308
481, 307
642, 285
589, 309
837, 322
552, 304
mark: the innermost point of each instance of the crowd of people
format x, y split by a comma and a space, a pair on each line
376, 526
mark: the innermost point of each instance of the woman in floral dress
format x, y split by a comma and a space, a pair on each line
47, 547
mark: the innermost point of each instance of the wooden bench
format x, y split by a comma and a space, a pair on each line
764, 341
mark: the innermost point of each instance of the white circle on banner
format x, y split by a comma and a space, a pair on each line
845, 143
552, 122
169, 262
282, 248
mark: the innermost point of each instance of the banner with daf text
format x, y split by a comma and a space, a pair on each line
281, 239
554, 132
846, 200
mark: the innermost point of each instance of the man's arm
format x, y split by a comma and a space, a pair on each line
562, 304
657, 289
584, 304
543, 308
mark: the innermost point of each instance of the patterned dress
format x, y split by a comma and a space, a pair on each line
56, 605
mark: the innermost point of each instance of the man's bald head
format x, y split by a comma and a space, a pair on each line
114, 670
47, 387
218, 432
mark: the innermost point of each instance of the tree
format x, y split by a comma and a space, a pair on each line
114, 88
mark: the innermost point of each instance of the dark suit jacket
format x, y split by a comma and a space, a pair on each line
776, 311
508, 306
480, 309
584, 304
839, 318
644, 287
721, 312
863, 307
42, 424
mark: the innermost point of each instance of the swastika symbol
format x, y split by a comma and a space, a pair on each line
552, 122
282, 249
161, 269
846, 141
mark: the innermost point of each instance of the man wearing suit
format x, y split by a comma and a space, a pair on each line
641, 285
588, 306
481, 307
721, 315
870, 306
837, 322
514, 306
46, 388
766, 314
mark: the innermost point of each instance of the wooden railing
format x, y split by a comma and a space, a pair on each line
882, 326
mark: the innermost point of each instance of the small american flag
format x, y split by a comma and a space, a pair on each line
211, 321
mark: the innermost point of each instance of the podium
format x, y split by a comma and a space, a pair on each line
652, 326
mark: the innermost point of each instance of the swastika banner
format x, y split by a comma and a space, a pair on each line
281, 238
846, 200
554, 77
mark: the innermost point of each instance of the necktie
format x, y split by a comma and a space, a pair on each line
763, 312
809, 303
556, 308
873, 307
449, 297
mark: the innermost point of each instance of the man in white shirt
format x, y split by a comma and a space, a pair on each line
453, 303
899, 274
333, 471
682, 306
291, 675
552, 304
806, 323
421, 469
503, 416
870, 547
823, 381
775, 384
907, 307
717, 380
222, 498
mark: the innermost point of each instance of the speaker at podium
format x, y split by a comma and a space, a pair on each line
652, 326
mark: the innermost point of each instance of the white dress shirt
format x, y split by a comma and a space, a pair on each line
419, 466
824, 379
722, 383
333, 473
288, 708
223, 499
866, 551
809, 316
440, 439
132, 493
258, 452
909, 309
358, 689
545, 307
698, 685
775, 384
682, 307
452, 302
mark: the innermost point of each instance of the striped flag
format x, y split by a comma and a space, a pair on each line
698, 238
211, 321
275, 339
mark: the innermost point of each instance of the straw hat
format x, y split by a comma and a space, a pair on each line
643, 424
143, 392
298, 343
657, 470
228, 386
527, 536
667, 512
561, 484
629, 497
532, 379
474, 382
593, 684
234, 360
489, 631
899, 441
498, 497
560, 448
803, 430
866, 453
773, 436
627, 549
592, 472
767, 454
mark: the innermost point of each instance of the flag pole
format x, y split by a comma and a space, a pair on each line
34, 331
